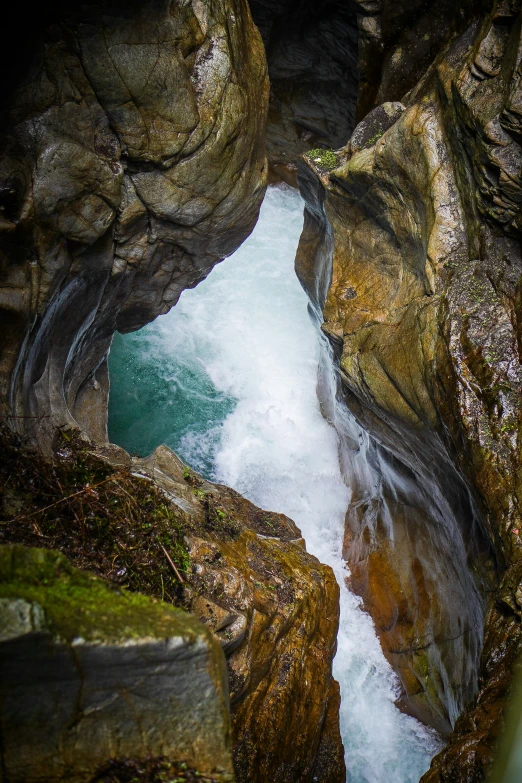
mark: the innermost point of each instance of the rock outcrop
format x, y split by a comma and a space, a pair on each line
132, 162
91, 673
153, 526
275, 609
411, 247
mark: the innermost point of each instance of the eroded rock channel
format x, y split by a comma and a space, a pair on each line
134, 143
270, 442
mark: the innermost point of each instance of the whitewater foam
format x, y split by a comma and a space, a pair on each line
244, 344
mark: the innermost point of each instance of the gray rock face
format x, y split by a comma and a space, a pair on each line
312, 60
399, 41
132, 163
377, 122
90, 673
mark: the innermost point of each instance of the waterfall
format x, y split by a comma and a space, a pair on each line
229, 380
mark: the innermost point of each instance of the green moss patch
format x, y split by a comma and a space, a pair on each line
79, 604
119, 526
323, 159
374, 139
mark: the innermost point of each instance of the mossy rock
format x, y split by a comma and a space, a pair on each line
323, 159
78, 604
102, 518
90, 672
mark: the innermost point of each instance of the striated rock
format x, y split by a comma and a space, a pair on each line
132, 162
413, 242
120, 676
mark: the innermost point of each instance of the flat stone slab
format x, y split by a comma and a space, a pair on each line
89, 673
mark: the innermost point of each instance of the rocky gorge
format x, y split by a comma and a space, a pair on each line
133, 161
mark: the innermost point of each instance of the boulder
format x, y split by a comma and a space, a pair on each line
91, 673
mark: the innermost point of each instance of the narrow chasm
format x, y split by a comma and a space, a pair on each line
260, 390
229, 379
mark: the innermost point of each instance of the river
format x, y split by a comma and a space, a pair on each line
228, 379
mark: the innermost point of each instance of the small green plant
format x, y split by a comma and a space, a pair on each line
374, 138
324, 159
190, 477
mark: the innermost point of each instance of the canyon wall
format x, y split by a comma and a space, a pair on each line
132, 163
411, 248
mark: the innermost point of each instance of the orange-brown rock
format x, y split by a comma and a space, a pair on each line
275, 610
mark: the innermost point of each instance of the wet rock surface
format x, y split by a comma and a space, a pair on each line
473, 746
132, 162
411, 248
275, 610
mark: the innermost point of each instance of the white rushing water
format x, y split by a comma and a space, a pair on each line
248, 329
